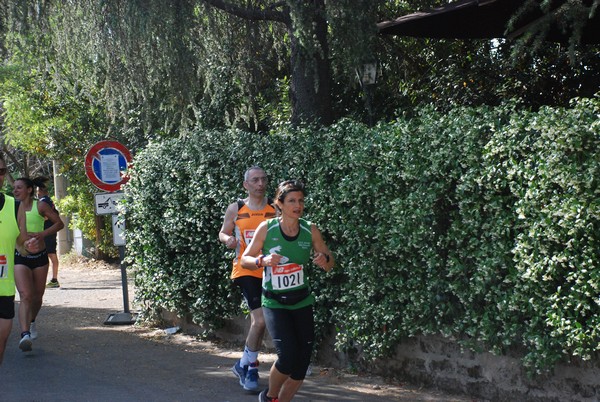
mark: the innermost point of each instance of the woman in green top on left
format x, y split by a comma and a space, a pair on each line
31, 270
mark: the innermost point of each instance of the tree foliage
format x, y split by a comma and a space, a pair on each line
156, 68
450, 73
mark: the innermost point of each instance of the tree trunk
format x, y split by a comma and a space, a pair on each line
310, 71
65, 240
310, 90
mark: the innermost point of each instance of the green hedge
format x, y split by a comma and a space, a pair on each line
481, 223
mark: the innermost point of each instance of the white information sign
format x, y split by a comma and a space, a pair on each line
106, 203
118, 231
109, 168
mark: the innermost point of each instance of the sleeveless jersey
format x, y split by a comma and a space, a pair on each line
245, 225
8, 237
35, 221
48, 200
290, 274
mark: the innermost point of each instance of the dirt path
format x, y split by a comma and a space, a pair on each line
78, 358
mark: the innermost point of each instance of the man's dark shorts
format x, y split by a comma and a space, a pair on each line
251, 289
32, 261
50, 244
7, 307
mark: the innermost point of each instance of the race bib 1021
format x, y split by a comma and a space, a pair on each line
287, 276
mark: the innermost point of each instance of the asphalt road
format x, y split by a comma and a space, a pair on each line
79, 358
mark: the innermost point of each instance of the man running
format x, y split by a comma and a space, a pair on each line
13, 233
241, 220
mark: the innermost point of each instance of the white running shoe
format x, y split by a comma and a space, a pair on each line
33, 330
25, 343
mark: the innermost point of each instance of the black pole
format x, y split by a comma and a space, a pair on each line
124, 279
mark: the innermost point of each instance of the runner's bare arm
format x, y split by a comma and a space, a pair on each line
57, 224
226, 235
322, 256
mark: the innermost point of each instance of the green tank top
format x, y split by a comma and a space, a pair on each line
9, 231
290, 275
35, 221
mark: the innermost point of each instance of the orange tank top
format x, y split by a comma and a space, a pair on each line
245, 225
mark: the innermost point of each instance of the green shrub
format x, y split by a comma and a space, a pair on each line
481, 223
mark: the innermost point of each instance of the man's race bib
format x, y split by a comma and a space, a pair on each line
287, 276
248, 235
3, 267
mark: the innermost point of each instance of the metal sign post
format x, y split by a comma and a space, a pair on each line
119, 240
126, 317
104, 166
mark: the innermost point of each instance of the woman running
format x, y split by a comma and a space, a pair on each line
282, 247
31, 270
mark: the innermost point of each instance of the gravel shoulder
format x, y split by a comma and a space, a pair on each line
79, 358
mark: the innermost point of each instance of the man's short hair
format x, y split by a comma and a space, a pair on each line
247, 172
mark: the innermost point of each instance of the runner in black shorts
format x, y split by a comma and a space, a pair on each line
31, 271
283, 248
241, 219
50, 241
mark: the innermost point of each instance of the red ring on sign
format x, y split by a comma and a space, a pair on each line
94, 153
